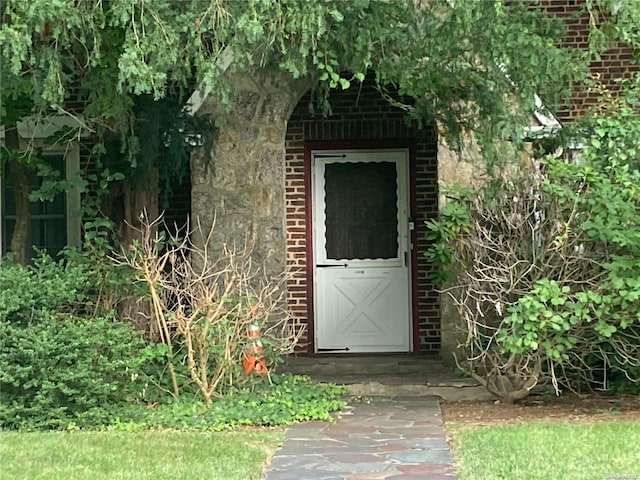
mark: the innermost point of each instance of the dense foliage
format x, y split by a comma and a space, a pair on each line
61, 371
457, 60
60, 364
546, 263
66, 363
29, 294
287, 399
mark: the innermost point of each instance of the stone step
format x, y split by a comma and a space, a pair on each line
393, 376
354, 365
390, 386
449, 392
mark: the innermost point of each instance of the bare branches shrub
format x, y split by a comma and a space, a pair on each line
203, 302
537, 280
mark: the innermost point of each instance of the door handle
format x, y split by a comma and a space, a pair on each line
331, 265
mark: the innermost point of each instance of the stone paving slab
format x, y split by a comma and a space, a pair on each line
397, 439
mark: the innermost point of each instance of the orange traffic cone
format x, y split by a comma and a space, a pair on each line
253, 360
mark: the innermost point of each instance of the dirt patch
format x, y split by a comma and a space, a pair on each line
542, 408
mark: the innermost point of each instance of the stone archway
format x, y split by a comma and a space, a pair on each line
240, 187
255, 182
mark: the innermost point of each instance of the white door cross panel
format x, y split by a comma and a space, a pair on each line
362, 309
361, 238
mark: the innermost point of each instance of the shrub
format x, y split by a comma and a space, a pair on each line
65, 370
46, 286
58, 367
547, 279
203, 300
547, 262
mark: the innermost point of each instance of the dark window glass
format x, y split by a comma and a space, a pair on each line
48, 229
361, 210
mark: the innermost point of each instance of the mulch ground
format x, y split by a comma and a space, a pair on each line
543, 408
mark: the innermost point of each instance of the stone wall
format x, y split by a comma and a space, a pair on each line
241, 187
466, 168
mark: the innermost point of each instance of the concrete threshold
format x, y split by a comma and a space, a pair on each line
389, 376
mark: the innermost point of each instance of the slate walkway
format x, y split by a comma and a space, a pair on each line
398, 439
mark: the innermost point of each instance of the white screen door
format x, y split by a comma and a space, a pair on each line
361, 255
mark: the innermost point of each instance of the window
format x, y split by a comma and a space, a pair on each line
54, 224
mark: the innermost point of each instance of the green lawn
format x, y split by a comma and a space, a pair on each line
540, 451
153, 455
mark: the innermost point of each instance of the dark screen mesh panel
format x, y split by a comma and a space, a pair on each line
361, 210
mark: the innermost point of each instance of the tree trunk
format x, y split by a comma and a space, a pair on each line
18, 172
139, 200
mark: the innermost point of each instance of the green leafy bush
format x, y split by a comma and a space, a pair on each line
64, 367
547, 278
454, 221
58, 367
62, 371
27, 293
81, 282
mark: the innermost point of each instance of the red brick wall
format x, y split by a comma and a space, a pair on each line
613, 63
359, 115
295, 218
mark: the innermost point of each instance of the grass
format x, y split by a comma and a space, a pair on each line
157, 455
540, 451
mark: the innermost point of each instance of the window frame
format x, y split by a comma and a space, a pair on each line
34, 135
